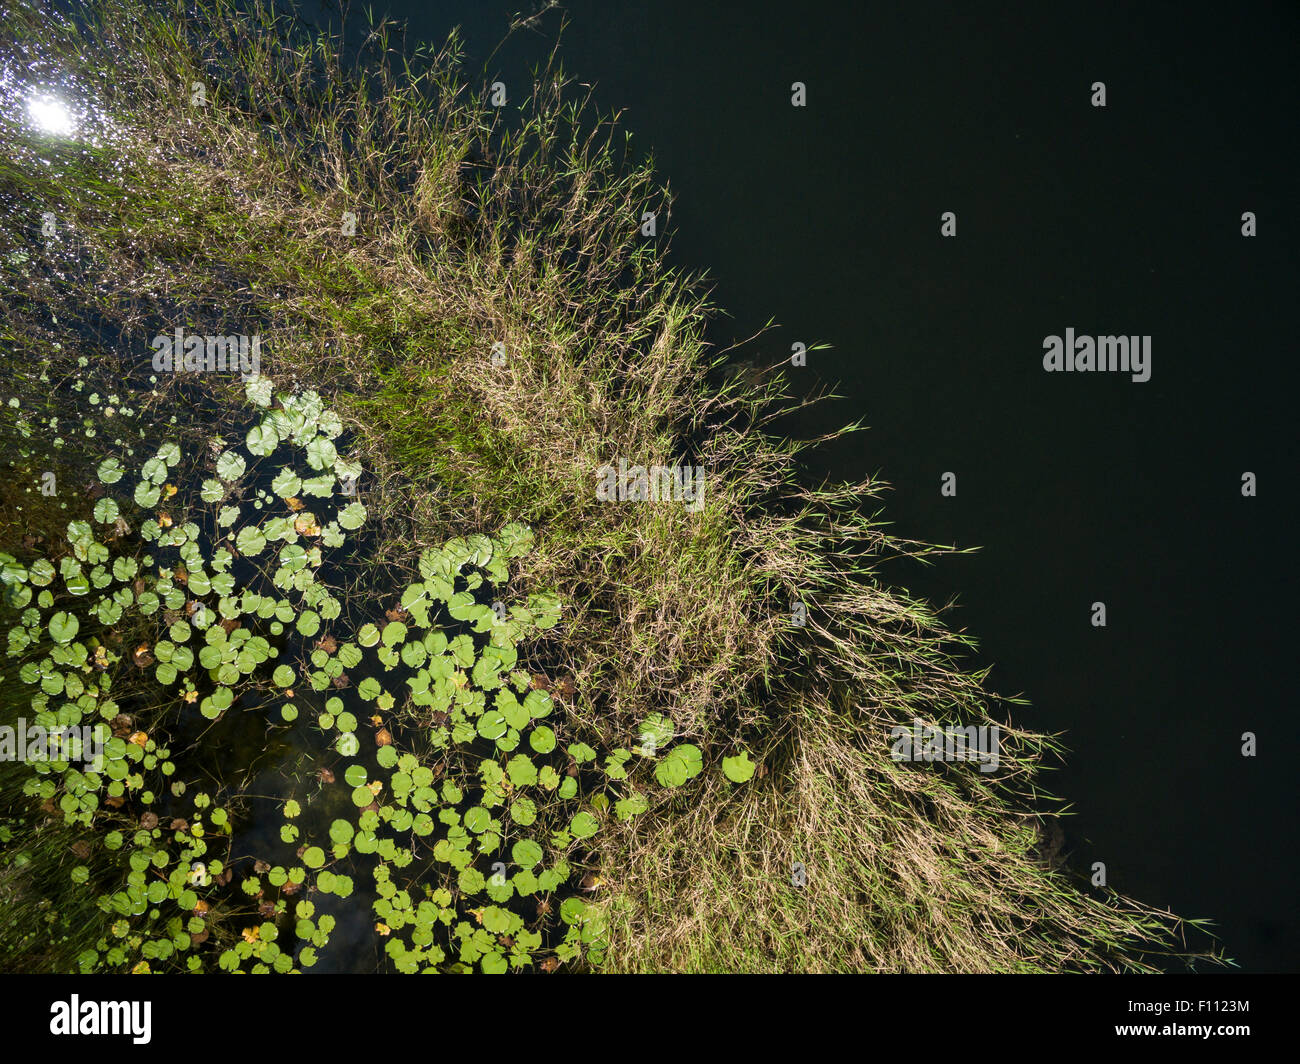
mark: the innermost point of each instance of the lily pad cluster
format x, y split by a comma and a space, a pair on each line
150, 560
193, 592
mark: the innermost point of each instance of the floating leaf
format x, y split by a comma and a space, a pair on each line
680, 764
321, 453
231, 465
351, 516
655, 732
286, 484
250, 542
258, 391
526, 854
583, 825
110, 471
517, 539
64, 627
739, 768
261, 439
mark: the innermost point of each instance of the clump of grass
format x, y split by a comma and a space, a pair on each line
478, 227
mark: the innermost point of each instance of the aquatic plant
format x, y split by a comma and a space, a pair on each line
467, 845
690, 779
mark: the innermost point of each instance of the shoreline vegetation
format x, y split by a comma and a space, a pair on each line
469, 289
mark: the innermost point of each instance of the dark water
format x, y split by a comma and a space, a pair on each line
1078, 487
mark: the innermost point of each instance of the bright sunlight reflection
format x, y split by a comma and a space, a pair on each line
51, 115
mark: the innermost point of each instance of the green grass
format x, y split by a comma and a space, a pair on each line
477, 226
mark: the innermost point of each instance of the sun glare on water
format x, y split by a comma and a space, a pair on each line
51, 115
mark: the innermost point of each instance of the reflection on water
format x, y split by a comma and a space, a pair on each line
51, 115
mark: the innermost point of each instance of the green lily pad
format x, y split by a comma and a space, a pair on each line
110, 471
680, 764
231, 465
583, 825
739, 768
64, 627
351, 516
250, 541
